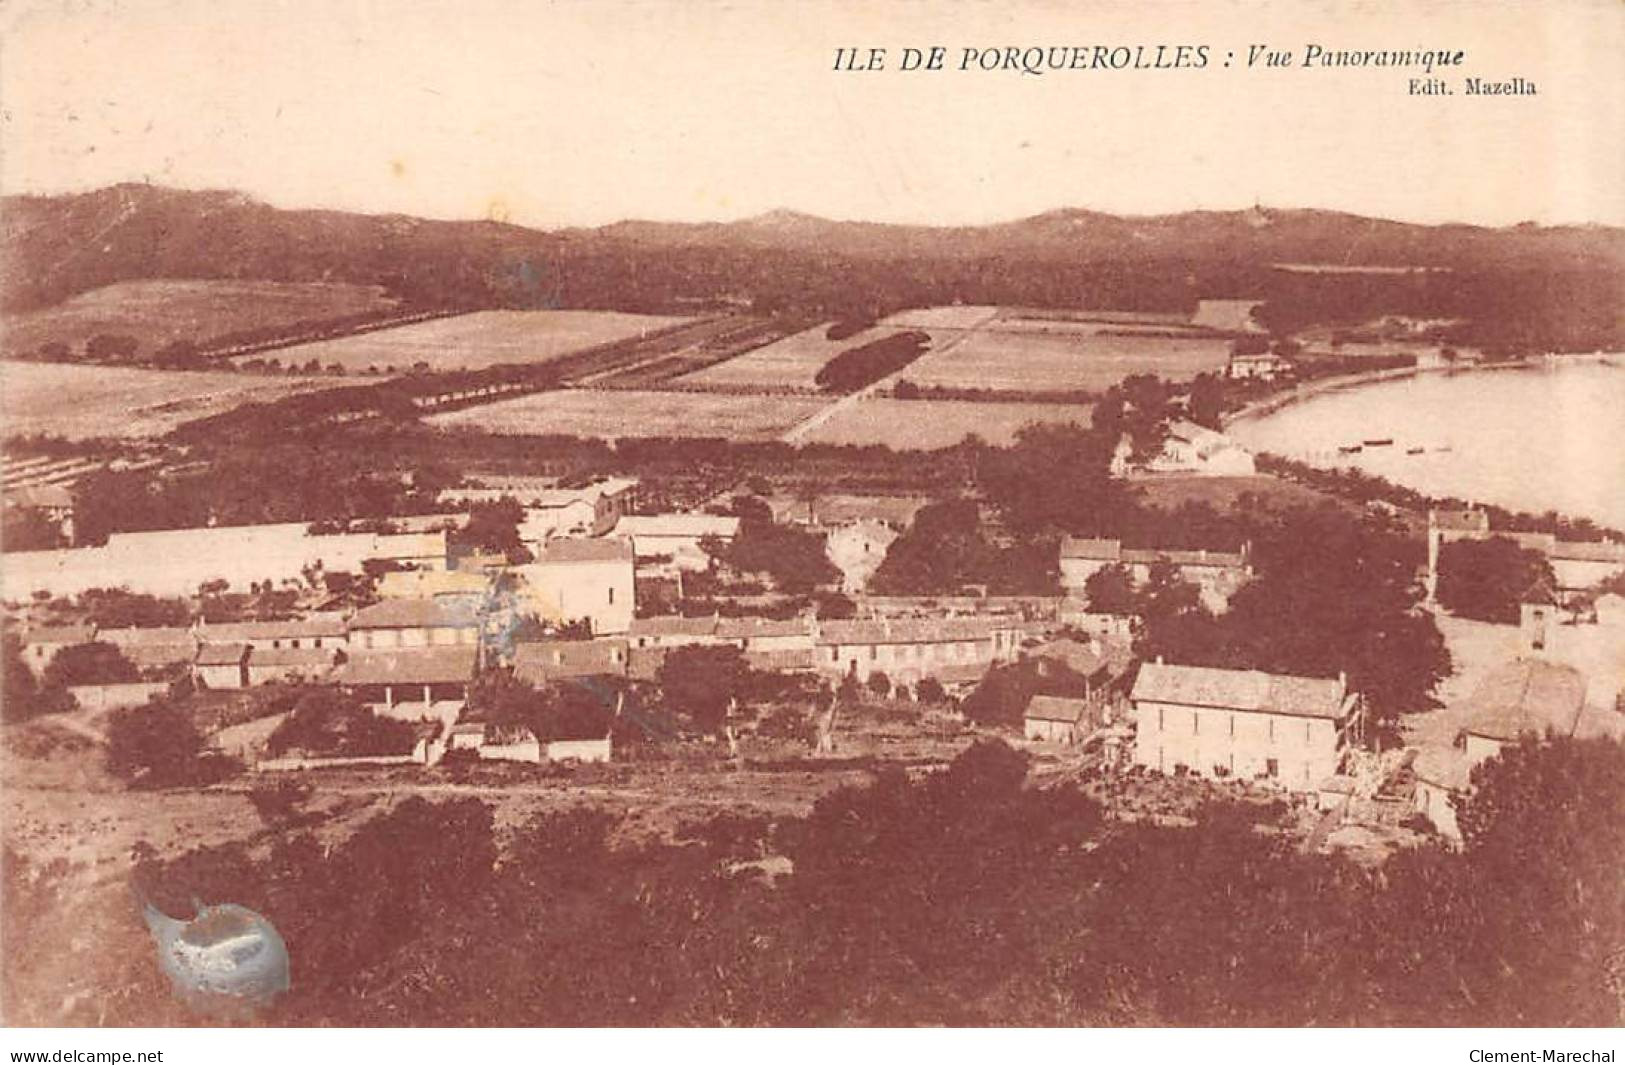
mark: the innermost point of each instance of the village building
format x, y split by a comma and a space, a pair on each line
405, 623
670, 543
421, 683
1527, 696
270, 665
221, 666
950, 650
1056, 719
664, 632
322, 630
551, 511
156, 650
547, 661
1264, 366
1216, 574
572, 580
1243, 724
1194, 449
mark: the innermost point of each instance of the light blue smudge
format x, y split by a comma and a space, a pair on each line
225, 958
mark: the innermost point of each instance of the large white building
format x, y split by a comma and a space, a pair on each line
907, 650
1243, 723
574, 579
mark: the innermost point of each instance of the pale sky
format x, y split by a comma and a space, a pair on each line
583, 113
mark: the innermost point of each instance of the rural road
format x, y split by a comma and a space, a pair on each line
799, 431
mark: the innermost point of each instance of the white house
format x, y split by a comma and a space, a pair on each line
671, 542
574, 579
951, 650
405, 623
1055, 719
1523, 697
1195, 449
1244, 724
413, 684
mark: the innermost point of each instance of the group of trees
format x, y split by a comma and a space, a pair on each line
793, 557
1487, 580
946, 549
966, 897
323, 720
867, 363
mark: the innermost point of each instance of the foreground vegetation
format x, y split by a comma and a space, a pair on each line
965, 897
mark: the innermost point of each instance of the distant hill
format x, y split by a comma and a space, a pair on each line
53, 247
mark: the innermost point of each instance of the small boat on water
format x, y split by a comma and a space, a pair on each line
1415, 450
1386, 441
1349, 449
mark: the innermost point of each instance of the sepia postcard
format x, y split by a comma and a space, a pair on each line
812, 514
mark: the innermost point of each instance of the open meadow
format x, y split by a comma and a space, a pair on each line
82, 402
611, 414
789, 363
926, 425
154, 313
471, 341
1062, 356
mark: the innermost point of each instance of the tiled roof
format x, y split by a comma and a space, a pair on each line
292, 657
908, 630
413, 614
1093, 550
59, 634
1202, 557
292, 629
1056, 708
564, 549
1584, 551
1234, 689
421, 665
672, 625
1527, 695
537, 663
222, 654
755, 628
152, 636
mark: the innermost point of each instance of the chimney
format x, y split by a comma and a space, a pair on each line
1342, 680
1159, 660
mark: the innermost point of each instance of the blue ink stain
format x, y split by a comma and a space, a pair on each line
225, 958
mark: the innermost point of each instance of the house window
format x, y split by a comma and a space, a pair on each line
1272, 730
1196, 722
295, 643
874, 652
1232, 726
1159, 718
612, 597
1307, 732
1272, 768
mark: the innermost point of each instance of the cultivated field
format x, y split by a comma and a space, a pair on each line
929, 318
1056, 357
157, 312
471, 341
925, 425
80, 402
612, 414
789, 363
